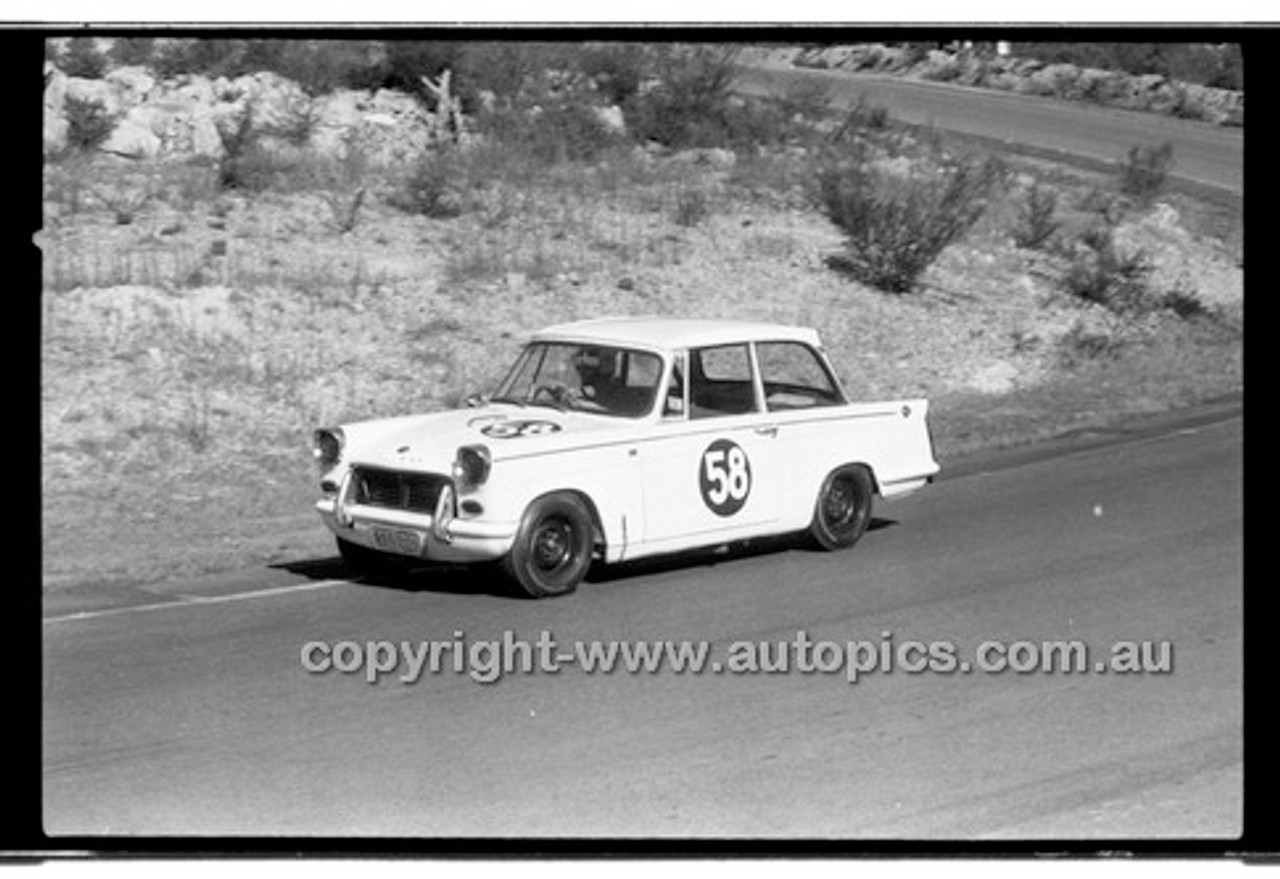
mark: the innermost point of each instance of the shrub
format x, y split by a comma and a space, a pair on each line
317, 66
245, 164
133, 51
567, 132
1187, 107
616, 68
432, 187
213, 58
1036, 220
1101, 273
344, 207
82, 59
1144, 174
691, 207
896, 226
859, 120
689, 102
1080, 343
341, 183
88, 123
1184, 303
809, 100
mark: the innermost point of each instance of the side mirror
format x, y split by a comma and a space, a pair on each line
475, 401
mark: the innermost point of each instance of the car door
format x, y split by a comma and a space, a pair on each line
711, 470
807, 406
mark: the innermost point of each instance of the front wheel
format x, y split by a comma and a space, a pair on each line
552, 549
843, 509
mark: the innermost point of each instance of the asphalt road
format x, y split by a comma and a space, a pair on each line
186, 710
1204, 154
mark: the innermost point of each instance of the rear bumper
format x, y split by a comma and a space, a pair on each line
905, 486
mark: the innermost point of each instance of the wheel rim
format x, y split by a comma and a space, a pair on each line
552, 545
840, 505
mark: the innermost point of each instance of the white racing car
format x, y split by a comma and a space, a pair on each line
620, 438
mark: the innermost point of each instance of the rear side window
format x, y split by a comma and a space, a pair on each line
720, 381
794, 377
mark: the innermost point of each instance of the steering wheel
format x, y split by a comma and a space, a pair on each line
561, 394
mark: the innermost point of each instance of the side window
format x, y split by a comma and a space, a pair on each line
794, 377
720, 381
640, 370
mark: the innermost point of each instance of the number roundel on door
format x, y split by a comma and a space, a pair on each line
724, 476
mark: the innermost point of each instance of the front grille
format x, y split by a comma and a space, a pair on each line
416, 492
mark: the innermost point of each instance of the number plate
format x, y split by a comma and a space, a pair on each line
397, 540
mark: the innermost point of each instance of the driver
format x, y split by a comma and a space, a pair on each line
595, 372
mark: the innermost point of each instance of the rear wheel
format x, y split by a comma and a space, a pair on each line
843, 509
552, 549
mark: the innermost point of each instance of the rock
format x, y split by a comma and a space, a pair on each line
1100, 86
94, 91
611, 119
131, 85
1180, 261
133, 138
1054, 79
893, 166
55, 121
996, 378
205, 139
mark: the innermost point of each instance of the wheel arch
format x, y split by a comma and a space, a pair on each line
865, 465
598, 537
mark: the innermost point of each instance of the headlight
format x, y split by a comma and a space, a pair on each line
327, 446
471, 466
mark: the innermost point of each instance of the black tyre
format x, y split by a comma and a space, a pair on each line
362, 560
552, 550
843, 509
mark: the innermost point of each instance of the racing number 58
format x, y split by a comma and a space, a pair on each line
725, 478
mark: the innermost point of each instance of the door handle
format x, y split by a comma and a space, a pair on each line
770, 430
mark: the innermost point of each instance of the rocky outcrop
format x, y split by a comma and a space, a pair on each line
190, 116
1028, 76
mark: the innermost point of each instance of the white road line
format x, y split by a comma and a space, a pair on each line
194, 600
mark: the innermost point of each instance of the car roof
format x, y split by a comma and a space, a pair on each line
672, 333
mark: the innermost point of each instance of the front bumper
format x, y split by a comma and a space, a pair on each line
441, 536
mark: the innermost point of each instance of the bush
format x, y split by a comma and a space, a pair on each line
1184, 303
88, 124
317, 66
83, 59
859, 120
133, 51
616, 69
688, 105
244, 163
1144, 174
1036, 221
212, 58
1080, 344
807, 100
1102, 274
896, 226
692, 207
549, 135
432, 188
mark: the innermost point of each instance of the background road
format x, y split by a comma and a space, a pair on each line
1205, 154
191, 713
